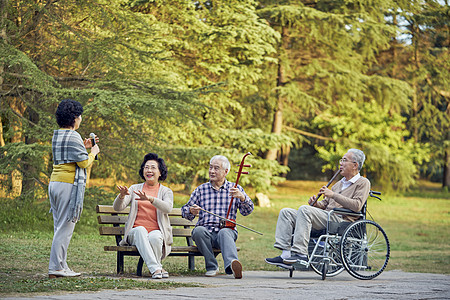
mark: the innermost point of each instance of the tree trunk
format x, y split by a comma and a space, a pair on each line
29, 168
446, 179
394, 49
3, 16
283, 158
16, 176
277, 123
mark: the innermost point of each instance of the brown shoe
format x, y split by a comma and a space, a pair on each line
236, 267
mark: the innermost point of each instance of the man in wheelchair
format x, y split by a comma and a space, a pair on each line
293, 229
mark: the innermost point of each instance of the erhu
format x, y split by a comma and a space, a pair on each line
224, 223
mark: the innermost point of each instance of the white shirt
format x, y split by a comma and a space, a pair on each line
346, 183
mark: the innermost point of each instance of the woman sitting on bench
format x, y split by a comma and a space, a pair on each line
148, 226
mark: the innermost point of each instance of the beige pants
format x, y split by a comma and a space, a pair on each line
294, 227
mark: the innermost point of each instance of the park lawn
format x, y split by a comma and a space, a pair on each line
417, 226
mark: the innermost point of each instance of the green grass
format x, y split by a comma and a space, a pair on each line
82, 284
417, 225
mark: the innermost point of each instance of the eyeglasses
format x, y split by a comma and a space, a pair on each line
150, 168
344, 160
216, 168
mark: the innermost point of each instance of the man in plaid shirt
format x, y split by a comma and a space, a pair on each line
215, 196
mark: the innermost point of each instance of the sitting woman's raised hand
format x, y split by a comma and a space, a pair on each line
123, 191
143, 196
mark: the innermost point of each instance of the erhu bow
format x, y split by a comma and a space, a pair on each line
229, 220
328, 184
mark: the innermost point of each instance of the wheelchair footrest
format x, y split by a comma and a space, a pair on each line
301, 265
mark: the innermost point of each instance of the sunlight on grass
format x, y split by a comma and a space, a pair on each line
417, 228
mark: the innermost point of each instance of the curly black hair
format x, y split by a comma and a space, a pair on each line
161, 166
66, 113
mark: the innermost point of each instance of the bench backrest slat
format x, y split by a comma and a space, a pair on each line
111, 230
121, 220
108, 209
178, 221
176, 232
183, 227
106, 219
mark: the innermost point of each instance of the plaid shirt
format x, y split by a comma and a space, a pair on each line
216, 201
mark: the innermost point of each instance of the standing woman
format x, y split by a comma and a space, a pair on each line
67, 182
148, 226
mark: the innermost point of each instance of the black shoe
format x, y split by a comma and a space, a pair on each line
296, 258
277, 261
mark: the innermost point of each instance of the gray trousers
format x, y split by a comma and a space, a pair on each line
224, 239
294, 227
59, 194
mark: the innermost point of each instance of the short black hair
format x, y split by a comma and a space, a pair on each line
66, 113
161, 166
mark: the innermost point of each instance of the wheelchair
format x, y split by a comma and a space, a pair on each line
360, 247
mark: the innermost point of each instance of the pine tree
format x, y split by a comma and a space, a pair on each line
421, 58
92, 52
327, 60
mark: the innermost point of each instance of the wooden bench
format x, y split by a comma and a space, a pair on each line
115, 221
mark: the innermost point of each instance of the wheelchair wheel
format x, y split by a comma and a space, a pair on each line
326, 263
365, 249
332, 267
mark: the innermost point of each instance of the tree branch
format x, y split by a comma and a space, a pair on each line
308, 134
37, 17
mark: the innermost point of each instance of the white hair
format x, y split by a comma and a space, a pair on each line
358, 156
225, 163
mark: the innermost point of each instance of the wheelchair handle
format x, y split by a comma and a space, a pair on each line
373, 193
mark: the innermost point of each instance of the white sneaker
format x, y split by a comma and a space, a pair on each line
63, 273
55, 274
71, 273
211, 273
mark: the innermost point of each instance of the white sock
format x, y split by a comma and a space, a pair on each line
286, 254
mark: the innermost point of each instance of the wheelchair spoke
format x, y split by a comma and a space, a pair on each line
319, 253
365, 249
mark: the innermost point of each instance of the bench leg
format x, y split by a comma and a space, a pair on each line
139, 266
191, 262
119, 262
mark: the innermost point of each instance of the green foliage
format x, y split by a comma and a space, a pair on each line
390, 160
423, 62
18, 64
27, 214
193, 79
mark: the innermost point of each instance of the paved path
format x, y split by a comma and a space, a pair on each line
278, 285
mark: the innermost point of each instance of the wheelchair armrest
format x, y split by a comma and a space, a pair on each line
346, 211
